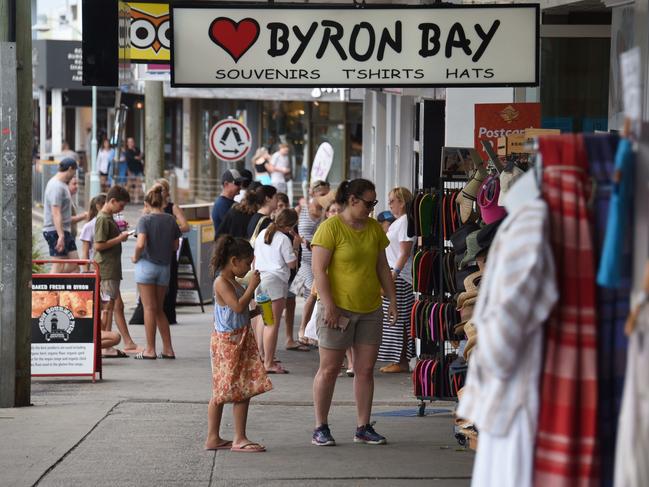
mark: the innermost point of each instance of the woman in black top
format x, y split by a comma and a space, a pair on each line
261, 161
267, 201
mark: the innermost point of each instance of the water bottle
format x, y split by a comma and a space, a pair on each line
264, 302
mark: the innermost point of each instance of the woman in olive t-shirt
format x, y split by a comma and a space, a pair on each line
350, 268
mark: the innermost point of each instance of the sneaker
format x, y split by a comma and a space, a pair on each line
322, 436
366, 434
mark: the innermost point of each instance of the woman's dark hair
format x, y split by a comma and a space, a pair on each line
355, 187
99, 200
155, 196
286, 218
283, 197
263, 192
226, 247
249, 204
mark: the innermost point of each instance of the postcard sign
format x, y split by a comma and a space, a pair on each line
290, 45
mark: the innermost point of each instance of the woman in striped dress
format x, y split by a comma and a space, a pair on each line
397, 346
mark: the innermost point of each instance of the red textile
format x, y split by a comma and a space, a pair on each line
566, 452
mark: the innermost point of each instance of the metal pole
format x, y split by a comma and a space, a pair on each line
153, 132
95, 185
16, 144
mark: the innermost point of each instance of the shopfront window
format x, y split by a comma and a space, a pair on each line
574, 83
285, 122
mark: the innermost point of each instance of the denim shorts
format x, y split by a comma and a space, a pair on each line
147, 272
52, 237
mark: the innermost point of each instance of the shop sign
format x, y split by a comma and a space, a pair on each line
494, 120
64, 312
59, 64
230, 140
149, 32
391, 46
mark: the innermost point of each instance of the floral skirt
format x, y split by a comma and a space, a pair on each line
237, 370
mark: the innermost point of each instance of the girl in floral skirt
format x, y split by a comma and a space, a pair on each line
237, 370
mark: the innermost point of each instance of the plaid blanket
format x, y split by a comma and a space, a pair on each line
566, 445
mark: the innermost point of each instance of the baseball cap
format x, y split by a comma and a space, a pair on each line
246, 175
231, 176
385, 216
67, 163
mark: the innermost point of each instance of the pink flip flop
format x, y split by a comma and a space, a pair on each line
223, 446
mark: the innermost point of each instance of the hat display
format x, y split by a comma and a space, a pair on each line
458, 239
466, 295
507, 180
472, 339
326, 200
67, 163
472, 281
472, 249
231, 176
487, 233
488, 200
469, 195
385, 216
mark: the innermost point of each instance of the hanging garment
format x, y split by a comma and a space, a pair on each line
613, 305
617, 241
631, 466
517, 294
566, 443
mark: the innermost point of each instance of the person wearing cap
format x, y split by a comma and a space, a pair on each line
385, 218
397, 347
231, 180
57, 216
246, 179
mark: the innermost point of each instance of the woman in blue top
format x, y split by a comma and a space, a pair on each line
237, 370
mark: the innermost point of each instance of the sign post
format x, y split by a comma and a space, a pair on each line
230, 140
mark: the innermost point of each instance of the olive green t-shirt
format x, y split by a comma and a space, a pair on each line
110, 260
355, 285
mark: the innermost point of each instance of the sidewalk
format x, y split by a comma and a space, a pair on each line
145, 424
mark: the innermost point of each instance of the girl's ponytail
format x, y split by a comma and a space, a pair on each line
286, 218
227, 247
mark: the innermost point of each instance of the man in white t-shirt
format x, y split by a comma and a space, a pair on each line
280, 167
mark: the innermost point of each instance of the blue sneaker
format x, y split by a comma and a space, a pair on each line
366, 434
322, 436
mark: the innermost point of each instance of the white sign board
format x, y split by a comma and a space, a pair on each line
324, 158
230, 140
296, 45
630, 66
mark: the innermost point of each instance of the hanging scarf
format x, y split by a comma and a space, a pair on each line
566, 445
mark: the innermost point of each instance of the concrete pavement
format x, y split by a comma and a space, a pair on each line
145, 424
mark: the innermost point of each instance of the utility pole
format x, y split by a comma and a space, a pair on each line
16, 140
153, 132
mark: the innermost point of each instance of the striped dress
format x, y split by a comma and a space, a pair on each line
306, 228
393, 336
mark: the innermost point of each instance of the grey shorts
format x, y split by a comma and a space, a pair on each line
109, 289
363, 328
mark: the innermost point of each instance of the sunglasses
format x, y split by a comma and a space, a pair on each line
369, 204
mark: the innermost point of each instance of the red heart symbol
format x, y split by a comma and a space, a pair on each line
234, 37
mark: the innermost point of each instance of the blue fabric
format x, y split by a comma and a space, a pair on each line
122, 168
225, 319
612, 307
219, 209
618, 229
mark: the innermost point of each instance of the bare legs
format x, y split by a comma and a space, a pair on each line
152, 297
290, 322
309, 306
325, 382
214, 417
120, 320
270, 335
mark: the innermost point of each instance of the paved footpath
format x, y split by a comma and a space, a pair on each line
145, 424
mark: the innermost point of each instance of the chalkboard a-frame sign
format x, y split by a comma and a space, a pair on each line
377, 46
